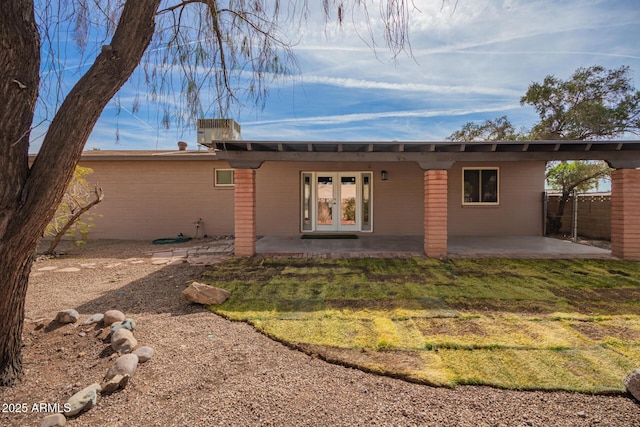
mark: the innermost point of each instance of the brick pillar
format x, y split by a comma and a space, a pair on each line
435, 213
245, 212
625, 214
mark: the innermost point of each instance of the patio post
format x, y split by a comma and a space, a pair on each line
435, 213
245, 212
625, 214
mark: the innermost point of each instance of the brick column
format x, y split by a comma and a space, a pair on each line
245, 212
435, 213
625, 214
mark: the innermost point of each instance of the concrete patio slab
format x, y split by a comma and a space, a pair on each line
401, 246
522, 247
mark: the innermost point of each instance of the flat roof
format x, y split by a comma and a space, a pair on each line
144, 155
428, 154
436, 154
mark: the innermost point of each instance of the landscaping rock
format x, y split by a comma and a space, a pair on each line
118, 382
123, 341
112, 316
205, 294
54, 420
83, 400
632, 383
67, 316
144, 353
96, 318
129, 324
124, 365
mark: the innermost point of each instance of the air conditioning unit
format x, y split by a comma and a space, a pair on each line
211, 130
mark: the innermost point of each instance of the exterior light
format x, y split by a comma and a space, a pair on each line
384, 175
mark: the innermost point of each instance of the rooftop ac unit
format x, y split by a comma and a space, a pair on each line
210, 130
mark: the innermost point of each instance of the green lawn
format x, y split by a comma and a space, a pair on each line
520, 324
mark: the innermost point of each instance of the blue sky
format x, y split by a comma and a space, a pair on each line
472, 60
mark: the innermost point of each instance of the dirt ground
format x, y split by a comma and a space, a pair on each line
209, 371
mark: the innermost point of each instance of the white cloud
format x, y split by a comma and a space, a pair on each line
472, 60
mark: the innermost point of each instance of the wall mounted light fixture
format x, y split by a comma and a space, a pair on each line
384, 175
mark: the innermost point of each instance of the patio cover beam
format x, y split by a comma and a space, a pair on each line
251, 154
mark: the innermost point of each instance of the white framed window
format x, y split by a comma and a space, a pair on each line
480, 186
223, 177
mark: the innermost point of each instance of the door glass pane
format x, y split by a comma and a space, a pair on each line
366, 202
306, 202
325, 200
348, 200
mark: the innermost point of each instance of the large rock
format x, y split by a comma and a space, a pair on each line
54, 420
129, 324
111, 316
144, 353
118, 382
124, 365
205, 294
83, 400
632, 383
123, 341
96, 318
67, 316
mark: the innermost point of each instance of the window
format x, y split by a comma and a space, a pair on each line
480, 186
223, 177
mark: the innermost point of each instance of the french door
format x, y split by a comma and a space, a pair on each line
336, 201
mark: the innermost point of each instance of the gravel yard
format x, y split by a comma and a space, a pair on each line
210, 371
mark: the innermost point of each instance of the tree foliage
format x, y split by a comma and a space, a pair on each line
68, 221
210, 57
595, 103
500, 129
582, 176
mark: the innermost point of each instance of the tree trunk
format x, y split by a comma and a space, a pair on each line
29, 197
72, 220
14, 271
555, 220
19, 68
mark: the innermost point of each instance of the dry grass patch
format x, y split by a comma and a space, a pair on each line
518, 324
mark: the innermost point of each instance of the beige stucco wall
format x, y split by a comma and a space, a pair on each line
146, 200
398, 202
150, 199
519, 212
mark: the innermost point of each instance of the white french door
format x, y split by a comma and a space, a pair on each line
336, 201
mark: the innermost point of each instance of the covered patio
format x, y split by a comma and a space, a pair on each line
412, 246
435, 159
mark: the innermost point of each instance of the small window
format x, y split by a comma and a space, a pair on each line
223, 177
480, 186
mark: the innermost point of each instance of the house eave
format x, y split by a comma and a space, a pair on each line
250, 154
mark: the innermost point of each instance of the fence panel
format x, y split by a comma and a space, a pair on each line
594, 214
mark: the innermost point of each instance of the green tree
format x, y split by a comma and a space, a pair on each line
500, 129
595, 103
77, 200
568, 176
230, 47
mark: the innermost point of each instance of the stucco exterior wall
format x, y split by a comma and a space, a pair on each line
519, 212
397, 202
146, 200
151, 199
